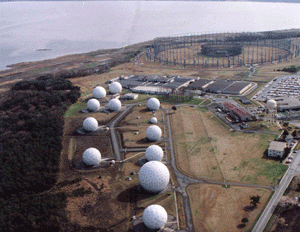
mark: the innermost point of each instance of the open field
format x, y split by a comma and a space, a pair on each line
204, 148
215, 208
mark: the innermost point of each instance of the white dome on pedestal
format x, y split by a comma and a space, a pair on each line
99, 92
115, 87
153, 120
154, 152
154, 176
153, 104
91, 156
155, 217
90, 124
114, 104
153, 133
93, 105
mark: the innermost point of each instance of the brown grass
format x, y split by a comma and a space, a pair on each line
215, 208
204, 148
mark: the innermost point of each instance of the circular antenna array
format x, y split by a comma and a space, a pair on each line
91, 156
90, 124
93, 105
154, 176
154, 152
99, 92
114, 104
153, 104
153, 133
155, 217
115, 87
153, 120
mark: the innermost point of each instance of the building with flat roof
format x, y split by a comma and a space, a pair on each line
276, 149
287, 103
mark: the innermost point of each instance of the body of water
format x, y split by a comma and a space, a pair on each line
33, 31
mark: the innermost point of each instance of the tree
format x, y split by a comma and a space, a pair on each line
245, 220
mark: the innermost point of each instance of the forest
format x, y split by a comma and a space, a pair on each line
31, 130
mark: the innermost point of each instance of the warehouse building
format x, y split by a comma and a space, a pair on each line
154, 84
236, 113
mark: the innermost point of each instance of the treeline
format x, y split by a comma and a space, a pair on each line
291, 69
31, 129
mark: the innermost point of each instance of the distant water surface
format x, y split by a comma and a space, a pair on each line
33, 31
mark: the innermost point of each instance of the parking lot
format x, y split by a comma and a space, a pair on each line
280, 86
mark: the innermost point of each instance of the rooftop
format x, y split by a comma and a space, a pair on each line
277, 146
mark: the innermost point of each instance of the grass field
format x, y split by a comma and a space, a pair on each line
204, 148
219, 209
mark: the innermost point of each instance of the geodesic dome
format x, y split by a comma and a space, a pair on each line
153, 104
154, 152
99, 92
153, 120
271, 105
153, 133
114, 104
115, 87
155, 217
90, 124
93, 105
154, 176
91, 156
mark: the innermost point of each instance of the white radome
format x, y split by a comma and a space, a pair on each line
153, 120
154, 176
90, 124
154, 152
153, 104
115, 87
93, 105
99, 92
114, 104
91, 156
153, 133
271, 105
155, 217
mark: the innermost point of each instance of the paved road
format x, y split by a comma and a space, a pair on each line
284, 183
114, 138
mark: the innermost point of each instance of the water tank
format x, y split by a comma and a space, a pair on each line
153, 104
115, 87
90, 124
114, 104
271, 105
155, 217
91, 156
99, 92
93, 105
153, 133
154, 176
154, 152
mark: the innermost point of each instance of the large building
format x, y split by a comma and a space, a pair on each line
154, 84
287, 103
276, 149
221, 86
236, 113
